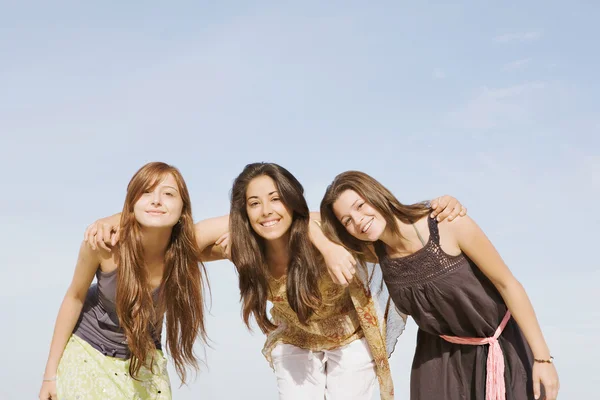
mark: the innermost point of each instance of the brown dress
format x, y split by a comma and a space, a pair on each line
449, 295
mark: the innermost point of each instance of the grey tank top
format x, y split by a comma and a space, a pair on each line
98, 323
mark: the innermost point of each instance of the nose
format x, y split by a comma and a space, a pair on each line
356, 218
156, 197
266, 209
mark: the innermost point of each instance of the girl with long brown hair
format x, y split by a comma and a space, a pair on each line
478, 334
323, 339
107, 337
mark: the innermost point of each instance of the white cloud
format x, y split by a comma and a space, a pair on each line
518, 64
439, 73
518, 37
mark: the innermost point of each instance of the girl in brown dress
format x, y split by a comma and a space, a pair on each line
478, 334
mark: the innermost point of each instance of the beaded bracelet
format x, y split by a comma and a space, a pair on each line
548, 361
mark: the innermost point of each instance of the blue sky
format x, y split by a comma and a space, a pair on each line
496, 104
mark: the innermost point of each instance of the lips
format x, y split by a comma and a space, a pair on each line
155, 212
269, 223
367, 226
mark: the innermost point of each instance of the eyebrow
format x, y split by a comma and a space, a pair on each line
256, 197
170, 187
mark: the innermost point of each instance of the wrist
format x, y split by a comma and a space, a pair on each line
545, 360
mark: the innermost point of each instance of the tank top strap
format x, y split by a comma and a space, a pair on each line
433, 230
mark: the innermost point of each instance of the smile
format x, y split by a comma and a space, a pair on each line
268, 224
155, 212
367, 226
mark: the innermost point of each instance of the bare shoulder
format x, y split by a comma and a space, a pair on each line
459, 226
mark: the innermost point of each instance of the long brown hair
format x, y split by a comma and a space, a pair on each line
378, 196
181, 291
248, 249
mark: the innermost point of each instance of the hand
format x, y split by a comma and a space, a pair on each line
447, 207
545, 374
341, 266
102, 233
48, 391
225, 245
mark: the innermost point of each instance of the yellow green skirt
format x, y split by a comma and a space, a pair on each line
85, 373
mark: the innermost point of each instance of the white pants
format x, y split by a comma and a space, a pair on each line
345, 373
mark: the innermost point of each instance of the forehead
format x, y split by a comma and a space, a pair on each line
166, 180
261, 186
344, 202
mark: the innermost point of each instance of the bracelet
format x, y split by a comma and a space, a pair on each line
548, 361
50, 379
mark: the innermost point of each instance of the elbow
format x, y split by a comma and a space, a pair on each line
509, 285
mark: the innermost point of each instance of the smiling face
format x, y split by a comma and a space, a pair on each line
161, 206
359, 218
268, 216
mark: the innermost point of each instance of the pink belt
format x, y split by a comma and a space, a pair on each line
495, 388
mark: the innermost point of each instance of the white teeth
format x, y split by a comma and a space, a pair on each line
269, 223
367, 226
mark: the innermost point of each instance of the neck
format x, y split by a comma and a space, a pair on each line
155, 243
277, 252
394, 241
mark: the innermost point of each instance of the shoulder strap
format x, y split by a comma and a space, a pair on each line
433, 229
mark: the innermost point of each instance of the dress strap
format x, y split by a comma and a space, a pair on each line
433, 229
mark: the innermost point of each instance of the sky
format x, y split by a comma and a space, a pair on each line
496, 104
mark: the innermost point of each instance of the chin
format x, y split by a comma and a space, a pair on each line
270, 235
156, 224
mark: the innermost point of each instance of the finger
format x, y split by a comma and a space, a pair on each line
106, 237
347, 275
455, 212
101, 240
92, 238
536, 388
334, 278
89, 233
115, 237
434, 203
463, 211
444, 213
351, 266
341, 278
442, 203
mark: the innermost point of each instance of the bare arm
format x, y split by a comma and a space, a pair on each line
474, 243
340, 263
104, 234
70, 309
208, 233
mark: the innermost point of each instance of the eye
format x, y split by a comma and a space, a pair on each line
346, 221
275, 199
253, 204
170, 194
360, 205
